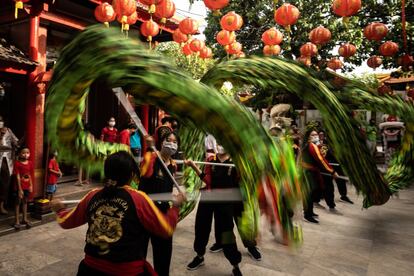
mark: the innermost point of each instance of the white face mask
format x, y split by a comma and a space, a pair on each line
169, 148
111, 123
1, 124
221, 150
315, 140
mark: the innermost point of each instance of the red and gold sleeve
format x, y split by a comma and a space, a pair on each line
155, 221
72, 218
322, 162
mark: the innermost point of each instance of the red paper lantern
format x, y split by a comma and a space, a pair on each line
271, 50
105, 13
196, 45
272, 37
124, 8
216, 5
406, 61
346, 8
309, 49
304, 60
347, 50
166, 9
320, 35
187, 50
389, 49
179, 37
374, 62
206, 52
234, 48
225, 37
149, 29
287, 15
151, 4
188, 26
375, 31
231, 22
335, 64
18, 6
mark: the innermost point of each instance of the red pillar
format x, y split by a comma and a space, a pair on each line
35, 101
145, 116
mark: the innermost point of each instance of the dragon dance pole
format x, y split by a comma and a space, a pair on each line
120, 94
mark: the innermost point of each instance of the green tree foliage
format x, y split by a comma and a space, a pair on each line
193, 65
258, 16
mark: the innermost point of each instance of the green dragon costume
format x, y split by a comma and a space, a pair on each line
101, 53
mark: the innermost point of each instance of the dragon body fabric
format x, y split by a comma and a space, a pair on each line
101, 53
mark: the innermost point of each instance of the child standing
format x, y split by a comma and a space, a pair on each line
53, 175
23, 171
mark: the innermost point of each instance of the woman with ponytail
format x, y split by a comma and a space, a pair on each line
120, 222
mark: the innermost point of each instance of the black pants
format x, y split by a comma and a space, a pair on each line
237, 213
4, 180
161, 249
341, 183
328, 191
161, 254
312, 181
223, 213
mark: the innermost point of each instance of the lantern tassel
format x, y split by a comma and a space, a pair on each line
18, 6
152, 9
345, 20
106, 24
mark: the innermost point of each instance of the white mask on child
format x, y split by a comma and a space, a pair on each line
111, 123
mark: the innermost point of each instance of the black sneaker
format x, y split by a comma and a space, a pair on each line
315, 215
346, 199
311, 219
254, 253
195, 263
236, 271
216, 248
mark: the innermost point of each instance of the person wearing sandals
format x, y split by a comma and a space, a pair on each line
23, 172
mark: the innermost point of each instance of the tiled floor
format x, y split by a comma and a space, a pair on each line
377, 241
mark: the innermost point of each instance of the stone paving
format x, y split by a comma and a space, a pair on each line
377, 241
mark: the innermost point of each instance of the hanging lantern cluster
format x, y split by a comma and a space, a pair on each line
189, 46
377, 31
230, 23
272, 38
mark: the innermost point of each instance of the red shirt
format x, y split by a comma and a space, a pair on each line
25, 171
52, 177
108, 135
124, 137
